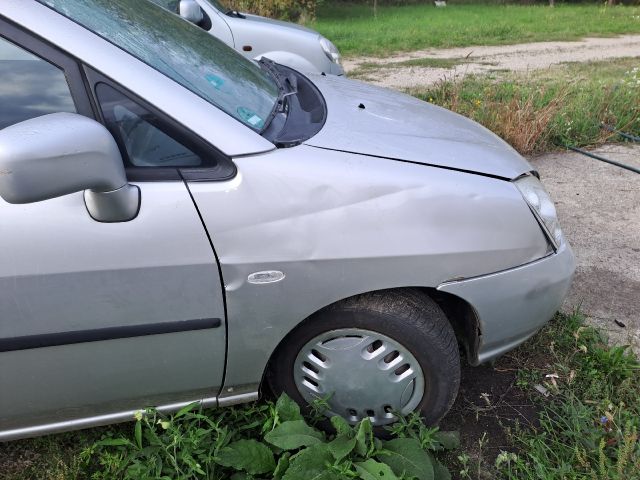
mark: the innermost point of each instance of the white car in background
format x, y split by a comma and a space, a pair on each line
255, 37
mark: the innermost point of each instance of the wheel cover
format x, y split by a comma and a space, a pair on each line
363, 374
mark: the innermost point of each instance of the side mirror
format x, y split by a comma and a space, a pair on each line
61, 153
191, 11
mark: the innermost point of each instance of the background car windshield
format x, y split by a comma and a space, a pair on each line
183, 52
219, 5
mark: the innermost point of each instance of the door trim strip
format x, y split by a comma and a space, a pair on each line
101, 334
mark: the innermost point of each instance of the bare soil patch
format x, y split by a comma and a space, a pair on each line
490, 404
599, 209
405, 71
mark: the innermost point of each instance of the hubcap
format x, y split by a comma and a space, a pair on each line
363, 374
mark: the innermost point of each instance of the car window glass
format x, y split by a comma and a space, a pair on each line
171, 5
140, 134
181, 51
29, 86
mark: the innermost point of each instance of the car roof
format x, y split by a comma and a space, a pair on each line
206, 120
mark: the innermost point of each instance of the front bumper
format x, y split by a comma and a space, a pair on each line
513, 304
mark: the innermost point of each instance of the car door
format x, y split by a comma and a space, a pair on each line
101, 318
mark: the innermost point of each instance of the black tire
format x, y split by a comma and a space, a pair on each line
409, 317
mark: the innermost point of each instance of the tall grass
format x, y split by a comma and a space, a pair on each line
541, 110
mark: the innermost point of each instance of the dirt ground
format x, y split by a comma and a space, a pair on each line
599, 209
488, 406
485, 59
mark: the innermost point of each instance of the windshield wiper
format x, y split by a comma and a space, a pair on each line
234, 13
287, 86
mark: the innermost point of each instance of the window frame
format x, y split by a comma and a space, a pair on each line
82, 81
48, 53
224, 170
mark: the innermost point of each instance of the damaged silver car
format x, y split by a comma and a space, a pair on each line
182, 224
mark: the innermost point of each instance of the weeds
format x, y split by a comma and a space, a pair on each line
543, 110
589, 426
265, 441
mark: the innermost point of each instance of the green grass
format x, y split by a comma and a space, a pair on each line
355, 31
541, 110
588, 426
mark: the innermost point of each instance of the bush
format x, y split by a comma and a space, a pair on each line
557, 107
300, 11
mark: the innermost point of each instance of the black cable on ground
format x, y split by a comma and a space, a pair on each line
602, 159
628, 136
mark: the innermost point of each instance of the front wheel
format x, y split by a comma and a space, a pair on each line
374, 355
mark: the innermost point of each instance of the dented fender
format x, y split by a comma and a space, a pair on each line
338, 224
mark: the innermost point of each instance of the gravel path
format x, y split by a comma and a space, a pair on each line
485, 59
599, 209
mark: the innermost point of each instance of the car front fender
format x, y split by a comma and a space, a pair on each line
319, 226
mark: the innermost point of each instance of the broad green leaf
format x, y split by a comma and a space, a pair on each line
373, 470
448, 440
283, 465
406, 457
186, 409
241, 476
113, 442
341, 425
311, 464
287, 408
138, 433
341, 446
193, 464
364, 438
293, 434
248, 455
377, 444
440, 472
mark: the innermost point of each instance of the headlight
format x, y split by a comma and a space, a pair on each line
330, 50
540, 203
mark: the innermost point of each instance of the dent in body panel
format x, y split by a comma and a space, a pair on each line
339, 225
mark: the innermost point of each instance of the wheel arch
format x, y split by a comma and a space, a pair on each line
460, 314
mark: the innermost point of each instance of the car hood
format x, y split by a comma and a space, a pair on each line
369, 120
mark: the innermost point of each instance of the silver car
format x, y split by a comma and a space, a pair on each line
255, 37
182, 224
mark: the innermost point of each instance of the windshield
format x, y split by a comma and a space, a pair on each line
183, 52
